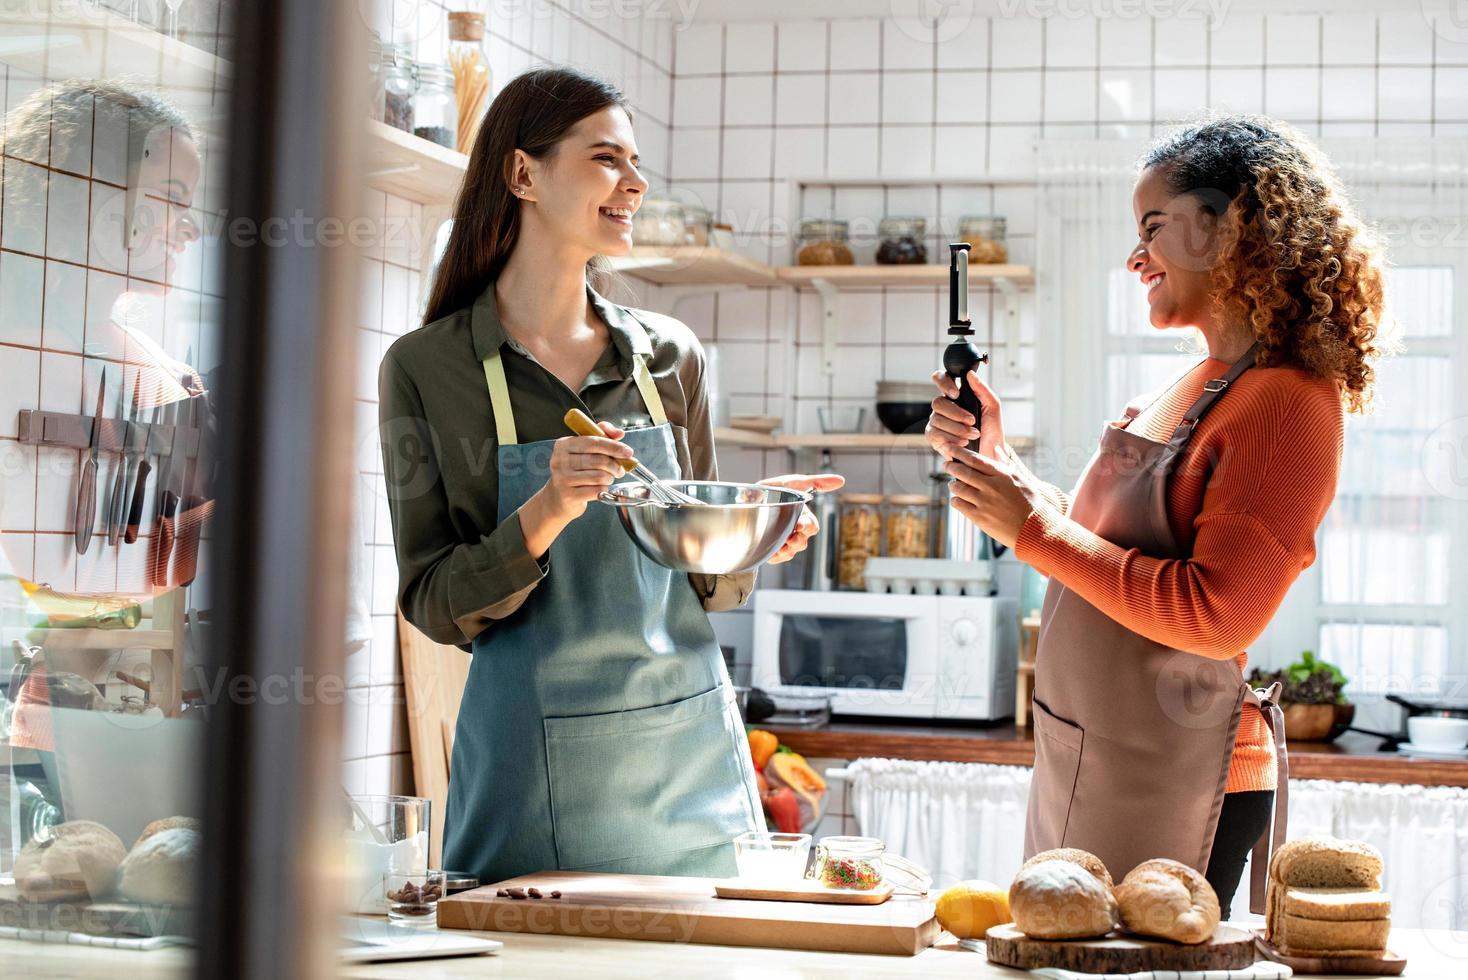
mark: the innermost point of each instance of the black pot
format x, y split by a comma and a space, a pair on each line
904, 417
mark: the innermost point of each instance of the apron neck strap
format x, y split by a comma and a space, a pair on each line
504, 415
1212, 391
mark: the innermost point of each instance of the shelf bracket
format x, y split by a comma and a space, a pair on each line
1009, 331
828, 325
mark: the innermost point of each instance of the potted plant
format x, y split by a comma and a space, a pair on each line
1312, 695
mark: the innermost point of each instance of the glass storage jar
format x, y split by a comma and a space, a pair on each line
695, 225
858, 538
900, 241
906, 524
376, 94
824, 241
435, 113
985, 233
659, 222
399, 83
469, 61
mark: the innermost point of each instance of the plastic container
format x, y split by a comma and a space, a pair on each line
435, 113
824, 241
859, 537
905, 526
659, 222
900, 241
986, 235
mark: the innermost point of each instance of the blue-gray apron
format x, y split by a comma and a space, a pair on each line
598, 729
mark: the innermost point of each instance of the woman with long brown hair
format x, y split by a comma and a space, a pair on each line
598, 728
1198, 511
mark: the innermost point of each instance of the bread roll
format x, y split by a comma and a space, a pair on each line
1169, 900
1327, 862
1061, 900
78, 860
1075, 855
160, 870
166, 823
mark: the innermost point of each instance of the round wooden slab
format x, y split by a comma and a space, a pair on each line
1229, 949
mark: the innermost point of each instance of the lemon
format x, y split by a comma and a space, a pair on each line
971, 908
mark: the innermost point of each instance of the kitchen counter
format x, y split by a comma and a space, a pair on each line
1353, 756
1430, 953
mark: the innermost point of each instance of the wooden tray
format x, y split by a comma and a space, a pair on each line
686, 910
1229, 949
804, 891
1390, 965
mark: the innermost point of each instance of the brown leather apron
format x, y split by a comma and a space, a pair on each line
1133, 738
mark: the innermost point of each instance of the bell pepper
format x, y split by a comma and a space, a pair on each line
762, 745
783, 809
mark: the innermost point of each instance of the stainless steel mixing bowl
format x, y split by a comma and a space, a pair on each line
740, 527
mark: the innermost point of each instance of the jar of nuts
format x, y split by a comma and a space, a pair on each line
859, 537
901, 241
824, 241
985, 233
906, 526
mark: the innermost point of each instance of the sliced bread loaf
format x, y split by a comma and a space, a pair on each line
1327, 862
1337, 904
1306, 933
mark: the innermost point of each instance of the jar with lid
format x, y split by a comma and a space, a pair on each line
695, 225
859, 537
435, 113
399, 83
659, 222
986, 235
469, 61
901, 241
906, 525
824, 241
376, 94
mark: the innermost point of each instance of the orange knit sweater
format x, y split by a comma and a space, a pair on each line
1244, 504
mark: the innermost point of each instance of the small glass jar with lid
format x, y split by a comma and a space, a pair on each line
900, 241
435, 113
824, 241
399, 82
376, 93
859, 537
695, 225
986, 234
906, 525
659, 222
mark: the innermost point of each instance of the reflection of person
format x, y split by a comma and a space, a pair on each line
1198, 511
135, 219
597, 728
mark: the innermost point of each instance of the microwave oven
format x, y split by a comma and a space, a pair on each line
902, 656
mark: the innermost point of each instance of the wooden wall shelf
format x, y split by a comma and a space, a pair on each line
901, 275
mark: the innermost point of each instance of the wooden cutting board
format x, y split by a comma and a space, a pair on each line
802, 891
1387, 965
686, 910
1229, 949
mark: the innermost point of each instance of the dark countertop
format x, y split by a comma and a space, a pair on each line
1353, 756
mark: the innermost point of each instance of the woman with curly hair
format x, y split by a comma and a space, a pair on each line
1198, 511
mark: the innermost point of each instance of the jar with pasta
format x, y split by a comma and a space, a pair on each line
859, 537
906, 526
986, 236
824, 242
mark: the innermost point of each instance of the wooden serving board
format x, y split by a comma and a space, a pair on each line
1388, 965
1229, 949
802, 891
687, 910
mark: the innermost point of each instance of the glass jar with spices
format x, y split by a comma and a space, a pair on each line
986, 235
399, 83
859, 537
824, 241
469, 62
901, 241
659, 222
906, 525
435, 113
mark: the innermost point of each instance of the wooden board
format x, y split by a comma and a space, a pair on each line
1389, 965
802, 891
1229, 949
686, 910
433, 683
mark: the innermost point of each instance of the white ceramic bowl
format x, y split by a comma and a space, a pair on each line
1438, 734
